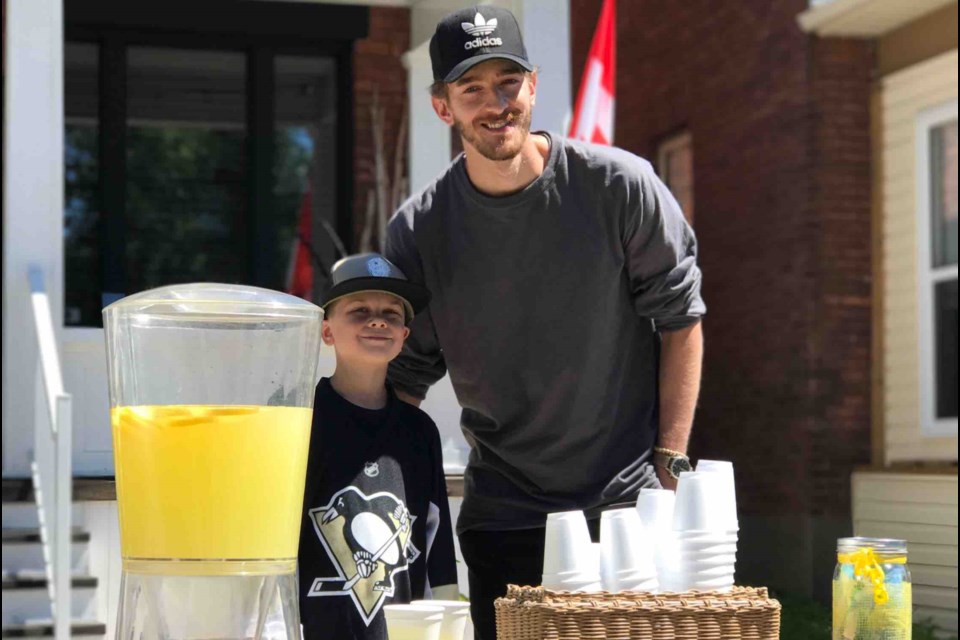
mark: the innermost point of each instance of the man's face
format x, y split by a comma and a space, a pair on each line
491, 106
366, 327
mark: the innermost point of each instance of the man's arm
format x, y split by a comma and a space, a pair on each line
681, 354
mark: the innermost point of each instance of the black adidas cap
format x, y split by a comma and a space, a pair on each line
474, 35
373, 272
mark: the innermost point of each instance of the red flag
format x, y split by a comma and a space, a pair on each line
300, 272
593, 116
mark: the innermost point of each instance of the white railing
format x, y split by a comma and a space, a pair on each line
52, 464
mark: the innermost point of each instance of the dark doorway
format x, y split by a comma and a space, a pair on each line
197, 151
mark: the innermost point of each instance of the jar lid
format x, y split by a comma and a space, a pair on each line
207, 301
879, 545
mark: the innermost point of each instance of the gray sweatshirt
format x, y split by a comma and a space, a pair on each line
546, 309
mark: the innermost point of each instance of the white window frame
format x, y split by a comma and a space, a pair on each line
930, 426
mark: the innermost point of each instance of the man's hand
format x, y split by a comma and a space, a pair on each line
666, 480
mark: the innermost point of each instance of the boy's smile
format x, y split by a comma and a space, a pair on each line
366, 327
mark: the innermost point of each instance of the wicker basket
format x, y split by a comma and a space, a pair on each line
535, 613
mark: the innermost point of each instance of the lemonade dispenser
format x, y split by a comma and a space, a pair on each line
211, 396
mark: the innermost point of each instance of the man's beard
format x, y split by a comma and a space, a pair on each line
504, 149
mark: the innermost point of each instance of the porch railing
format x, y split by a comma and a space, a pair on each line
52, 467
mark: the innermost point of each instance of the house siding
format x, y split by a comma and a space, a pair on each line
902, 96
921, 509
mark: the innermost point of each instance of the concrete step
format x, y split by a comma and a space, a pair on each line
29, 555
23, 515
43, 628
31, 535
25, 598
25, 580
22, 550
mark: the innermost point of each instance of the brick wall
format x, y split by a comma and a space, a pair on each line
377, 66
780, 126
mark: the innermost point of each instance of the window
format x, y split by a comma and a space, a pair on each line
81, 222
675, 164
184, 165
937, 268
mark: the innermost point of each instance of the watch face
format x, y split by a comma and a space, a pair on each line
678, 465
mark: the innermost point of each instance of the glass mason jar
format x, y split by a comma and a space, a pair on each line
872, 590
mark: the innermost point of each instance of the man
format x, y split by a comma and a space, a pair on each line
566, 306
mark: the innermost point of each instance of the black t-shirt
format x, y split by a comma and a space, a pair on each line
376, 522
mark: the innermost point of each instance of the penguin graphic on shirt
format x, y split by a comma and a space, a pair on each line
368, 540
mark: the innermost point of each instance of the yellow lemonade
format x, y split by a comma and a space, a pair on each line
210, 482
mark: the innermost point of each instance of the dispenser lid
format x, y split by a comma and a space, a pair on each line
208, 300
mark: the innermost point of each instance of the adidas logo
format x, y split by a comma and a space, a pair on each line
482, 42
480, 27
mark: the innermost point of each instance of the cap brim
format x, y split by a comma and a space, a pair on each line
462, 68
414, 295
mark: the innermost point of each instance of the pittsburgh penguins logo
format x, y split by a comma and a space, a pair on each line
368, 540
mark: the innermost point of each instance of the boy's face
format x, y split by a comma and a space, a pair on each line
491, 106
366, 327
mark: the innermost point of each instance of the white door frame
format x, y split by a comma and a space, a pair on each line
32, 206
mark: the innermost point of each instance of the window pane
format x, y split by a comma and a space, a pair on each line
675, 162
304, 189
946, 348
81, 245
186, 193
943, 165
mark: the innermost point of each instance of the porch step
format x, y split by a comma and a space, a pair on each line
26, 581
31, 535
44, 628
26, 599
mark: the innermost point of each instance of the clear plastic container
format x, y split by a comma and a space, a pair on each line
211, 395
872, 590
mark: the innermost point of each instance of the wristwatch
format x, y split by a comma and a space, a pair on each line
673, 461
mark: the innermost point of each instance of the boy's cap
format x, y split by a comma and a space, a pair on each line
373, 272
470, 36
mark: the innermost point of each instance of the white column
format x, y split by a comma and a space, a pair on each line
429, 139
546, 34
32, 204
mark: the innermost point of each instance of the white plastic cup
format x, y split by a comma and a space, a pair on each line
624, 549
680, 582
715, 466
700, 572
413, 621
724, 469
704, 550
703, 504
706, 538
567, 547
655, 507
456, 614
649, 585
630, 581
707, 559
719, 583
583, 583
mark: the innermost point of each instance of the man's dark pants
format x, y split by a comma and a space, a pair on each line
498, 558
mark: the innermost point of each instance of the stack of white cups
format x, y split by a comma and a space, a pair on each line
655, 507
705, 530
413, 621
456, 617
626, 558
569, 558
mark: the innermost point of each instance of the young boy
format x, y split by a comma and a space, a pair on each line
376, 522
